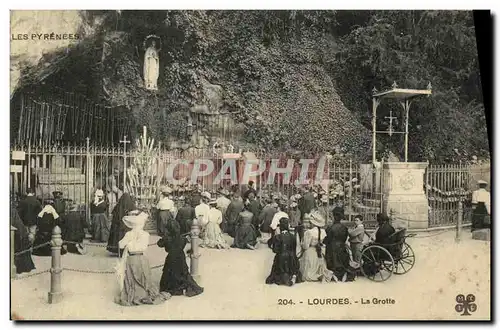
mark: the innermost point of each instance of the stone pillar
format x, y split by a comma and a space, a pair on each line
404, 194
13, 270
55, 294
195, 250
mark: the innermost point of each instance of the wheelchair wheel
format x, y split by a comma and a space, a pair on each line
377, 263
406, 261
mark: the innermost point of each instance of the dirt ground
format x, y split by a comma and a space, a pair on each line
235, 289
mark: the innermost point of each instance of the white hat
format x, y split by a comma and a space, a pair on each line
482, 182
135, 221
317, 219
206, 194
166, 190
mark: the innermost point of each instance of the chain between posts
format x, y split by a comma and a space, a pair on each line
98, 244
30, 275
31, 248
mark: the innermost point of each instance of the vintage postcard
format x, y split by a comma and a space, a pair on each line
248, 165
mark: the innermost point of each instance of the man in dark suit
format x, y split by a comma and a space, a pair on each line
29, 208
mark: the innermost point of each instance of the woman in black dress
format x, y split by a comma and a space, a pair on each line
46, 221
118, 229
74, 230
176, 279
286, 267
23, 261
337, 255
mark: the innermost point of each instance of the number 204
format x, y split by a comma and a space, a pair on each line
285, 302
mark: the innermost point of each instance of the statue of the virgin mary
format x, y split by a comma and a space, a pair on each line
151, 65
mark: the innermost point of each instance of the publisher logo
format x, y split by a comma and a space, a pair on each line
465, 305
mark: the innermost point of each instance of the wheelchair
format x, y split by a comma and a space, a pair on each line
380, 261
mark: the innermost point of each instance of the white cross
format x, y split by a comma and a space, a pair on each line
390, 122
124, 141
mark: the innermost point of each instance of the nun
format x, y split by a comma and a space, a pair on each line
46, 221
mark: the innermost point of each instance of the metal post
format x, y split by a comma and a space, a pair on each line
87, 183
406, 106
13, 270
195, 250
459, 222
55, 294
374, 129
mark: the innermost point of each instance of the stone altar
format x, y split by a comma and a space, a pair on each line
60, 177
403, 187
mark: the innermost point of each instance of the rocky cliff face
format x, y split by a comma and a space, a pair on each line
287, 105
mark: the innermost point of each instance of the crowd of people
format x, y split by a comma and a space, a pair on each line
305, 231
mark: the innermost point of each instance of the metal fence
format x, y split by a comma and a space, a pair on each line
78, 171
447, 185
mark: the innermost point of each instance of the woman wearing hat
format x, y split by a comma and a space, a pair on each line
176, 279
133, 270
100, 224
165, 207
312, 263
337, 254
286, 266
212, 234
481, 202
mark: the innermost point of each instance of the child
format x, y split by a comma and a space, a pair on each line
356, 236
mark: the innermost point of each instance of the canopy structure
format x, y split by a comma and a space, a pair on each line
405, 97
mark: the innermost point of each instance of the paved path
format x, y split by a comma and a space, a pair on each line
235, 288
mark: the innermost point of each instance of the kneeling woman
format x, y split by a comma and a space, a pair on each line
133, 270
286, 267
46, 221
176, 279
312, 263
212, 234
245, 236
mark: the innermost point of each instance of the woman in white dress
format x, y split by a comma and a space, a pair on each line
133, 269
212, 234
312, 262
